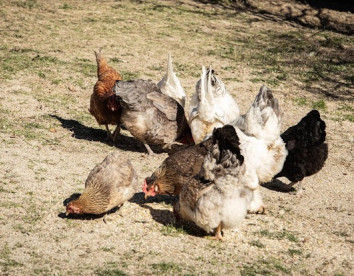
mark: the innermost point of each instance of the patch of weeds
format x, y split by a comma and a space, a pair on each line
302, 101
28, 4
127, 75
156, 68
320, 104
3, 190
110, 272
10, 205
332, 42
116, 60
279, 235
346, 112
41, 271
171, 230
293, 252
21, 228
107, 249
164, 268
257, 243
85, 67
269, 266
6, 260
33, 213
56, 81
41, 75
341, 234
65, 6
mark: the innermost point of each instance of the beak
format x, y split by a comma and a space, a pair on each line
146, 196
66, 213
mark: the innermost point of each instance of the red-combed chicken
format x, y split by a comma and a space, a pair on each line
150, 116
108, 185
176, 170
217, 199
103, 105
307, 150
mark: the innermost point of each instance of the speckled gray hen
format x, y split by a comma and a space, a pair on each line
151, 116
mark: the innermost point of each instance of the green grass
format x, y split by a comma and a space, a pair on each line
320, 104
270, 266
293, 252
6, 261
110, 272
257, 243
281, 235
166, 267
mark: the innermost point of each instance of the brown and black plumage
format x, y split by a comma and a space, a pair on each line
307, 150
176, 170
150, 116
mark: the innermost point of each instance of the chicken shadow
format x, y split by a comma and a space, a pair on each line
126, 143
278, 186
166, 217
83, 216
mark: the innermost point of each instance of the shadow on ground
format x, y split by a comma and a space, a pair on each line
278, 186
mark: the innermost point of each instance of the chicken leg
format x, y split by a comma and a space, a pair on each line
150, 152
218, 234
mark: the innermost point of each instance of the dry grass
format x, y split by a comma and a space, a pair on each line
49, 141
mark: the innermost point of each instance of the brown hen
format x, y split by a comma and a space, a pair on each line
103, 105
108, 185
176, 170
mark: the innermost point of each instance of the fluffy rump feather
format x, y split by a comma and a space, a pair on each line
307, 150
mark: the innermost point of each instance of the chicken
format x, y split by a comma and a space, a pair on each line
211, 106
262, 147
151, 116
108, 185
307, 150
170, 84
103, 105
176, 170
261, 144
216, 199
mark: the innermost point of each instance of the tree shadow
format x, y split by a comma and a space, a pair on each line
279, 12
83, 216
126, 143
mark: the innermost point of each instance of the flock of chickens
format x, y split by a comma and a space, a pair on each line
226, 157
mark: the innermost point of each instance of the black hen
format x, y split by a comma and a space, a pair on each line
307, 150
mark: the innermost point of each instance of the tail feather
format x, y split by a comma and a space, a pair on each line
310, 131
263, 119
102, 65
307, 150
227, 139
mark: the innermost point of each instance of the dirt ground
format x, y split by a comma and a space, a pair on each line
50, 142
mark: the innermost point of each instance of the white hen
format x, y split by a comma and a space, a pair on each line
261, 144
170, 84
211, 106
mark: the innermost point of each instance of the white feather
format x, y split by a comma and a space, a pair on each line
170, 84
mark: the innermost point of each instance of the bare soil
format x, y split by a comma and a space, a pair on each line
50, 142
